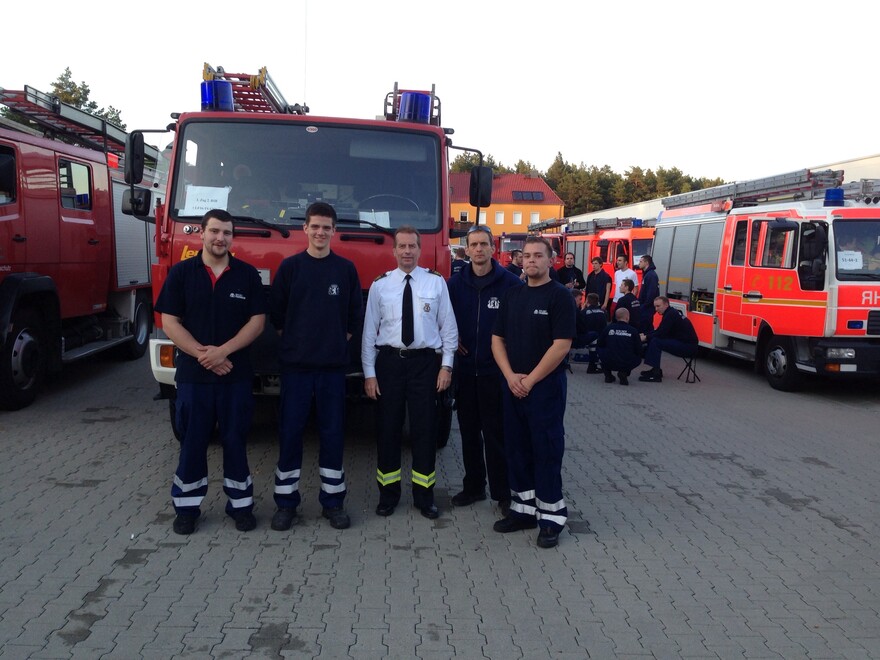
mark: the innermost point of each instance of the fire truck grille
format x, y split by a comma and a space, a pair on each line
874, 322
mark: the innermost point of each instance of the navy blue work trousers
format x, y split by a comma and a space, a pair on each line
534, 436
298, 390
671, 346
200, 408
480, 420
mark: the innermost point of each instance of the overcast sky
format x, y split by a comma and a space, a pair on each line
735, 90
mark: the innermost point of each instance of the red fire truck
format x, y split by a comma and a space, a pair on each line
74, 271
265, 161
509, 241
609, 238
783, 271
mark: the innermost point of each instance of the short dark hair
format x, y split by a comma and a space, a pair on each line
649, 259
322, 209
628, 283
218, 214
543, 241
595, 259
408, 229
479, 228
568, 253
593, 298
515, 252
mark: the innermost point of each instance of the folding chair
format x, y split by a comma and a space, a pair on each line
690, 370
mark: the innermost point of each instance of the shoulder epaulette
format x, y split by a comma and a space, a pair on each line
434, 272
379, 277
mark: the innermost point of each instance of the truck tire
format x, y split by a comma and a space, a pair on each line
445, 404
24, 358
172, 415
140, 338
779, 364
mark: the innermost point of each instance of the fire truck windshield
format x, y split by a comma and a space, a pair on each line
858, 249
374, 177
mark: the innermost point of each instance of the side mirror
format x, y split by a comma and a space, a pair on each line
134, 158
138, 202
481, 187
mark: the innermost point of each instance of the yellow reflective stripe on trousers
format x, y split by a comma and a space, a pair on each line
424, 480
390, 478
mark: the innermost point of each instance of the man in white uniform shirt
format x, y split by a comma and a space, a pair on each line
407, 354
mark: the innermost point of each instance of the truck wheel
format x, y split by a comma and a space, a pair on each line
172, 414
779, 364
445, 404
140, 338
24, 358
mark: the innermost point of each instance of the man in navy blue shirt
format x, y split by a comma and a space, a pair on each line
599, 282
476, 294
674, 335
648, 292
316, 307
530, 341
213, 307
620, 347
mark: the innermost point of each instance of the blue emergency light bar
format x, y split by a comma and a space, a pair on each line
217, 95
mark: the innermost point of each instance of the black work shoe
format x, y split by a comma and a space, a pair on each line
430, 511
514, 524
652, 370
385, 509
184, 524
652, 377
338, 518
283, 519
548, 538
465, 498
593, 368
244, 520
609, 377
624, 380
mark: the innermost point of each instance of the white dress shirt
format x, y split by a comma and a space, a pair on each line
620, 276
433, 319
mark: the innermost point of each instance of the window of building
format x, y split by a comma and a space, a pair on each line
75, 182
463, 216
517, 217
534, 217
499, 217
482, 218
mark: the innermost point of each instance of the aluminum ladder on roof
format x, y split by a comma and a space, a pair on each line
253, 93
64, 120
801, 184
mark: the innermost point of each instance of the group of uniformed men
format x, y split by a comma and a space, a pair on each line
506, 340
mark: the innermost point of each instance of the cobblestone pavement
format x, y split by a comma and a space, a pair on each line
719, 519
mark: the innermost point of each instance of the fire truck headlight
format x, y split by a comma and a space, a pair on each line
841, 354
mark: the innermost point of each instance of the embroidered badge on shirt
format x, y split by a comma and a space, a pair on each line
493, 303
427, 307
333, 290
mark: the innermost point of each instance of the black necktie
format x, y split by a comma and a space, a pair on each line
407, 335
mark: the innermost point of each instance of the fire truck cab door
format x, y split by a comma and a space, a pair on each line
84, 238
731, 279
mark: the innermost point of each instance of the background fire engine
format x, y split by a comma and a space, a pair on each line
74, 271
783, 271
